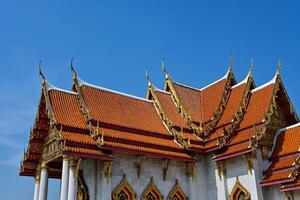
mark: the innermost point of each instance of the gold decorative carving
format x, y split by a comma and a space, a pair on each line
238, 188
248, 158
273, 120
124, 189
96, 134
177, 135
82, 191
191, 170
221, 168
54, 145
237, 117
108, 169
188, 119
177, 193
209, 127
153, 191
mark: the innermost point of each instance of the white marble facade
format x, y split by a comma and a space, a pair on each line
207, 184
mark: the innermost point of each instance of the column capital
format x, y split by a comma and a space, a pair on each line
37, 178
44, 165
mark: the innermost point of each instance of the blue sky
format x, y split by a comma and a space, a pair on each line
114, 41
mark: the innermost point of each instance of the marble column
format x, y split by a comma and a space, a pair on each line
36, 187
64, 179
43, 183
72, 187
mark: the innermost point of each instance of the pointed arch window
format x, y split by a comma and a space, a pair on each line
177, 193
152, 192
239, 192
123, 191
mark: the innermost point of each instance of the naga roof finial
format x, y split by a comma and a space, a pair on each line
73, 70
40, 71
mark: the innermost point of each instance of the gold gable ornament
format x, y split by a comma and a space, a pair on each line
177, 193
239, 192
152, 192
123, 191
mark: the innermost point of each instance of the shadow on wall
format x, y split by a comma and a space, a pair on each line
236, 167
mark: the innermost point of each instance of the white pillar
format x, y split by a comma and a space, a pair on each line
64, 179
72, 187
36, 187
44, 183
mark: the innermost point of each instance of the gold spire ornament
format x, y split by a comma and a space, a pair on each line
279, 66
231, 60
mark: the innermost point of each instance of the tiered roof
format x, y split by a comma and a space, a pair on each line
284, 164
224, 118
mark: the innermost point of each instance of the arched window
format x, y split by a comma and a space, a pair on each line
239, 192
176, 193
123, 191
151, 192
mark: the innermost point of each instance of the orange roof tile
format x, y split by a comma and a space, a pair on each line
201, 104
233, 150
211, 97
233, 104
190, 99
170, 109
78, 137
287, 142
116, 109
139, 139
258, 104
146, 150
66, 108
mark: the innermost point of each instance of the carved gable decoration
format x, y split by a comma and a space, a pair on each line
239, 192
176, 193
123, 191
152, 192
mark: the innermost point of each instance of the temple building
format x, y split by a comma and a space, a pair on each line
228, 140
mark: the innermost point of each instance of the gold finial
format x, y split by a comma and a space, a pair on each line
40, 71
231, 60
147, 75
279, 66
164, 67
251, 64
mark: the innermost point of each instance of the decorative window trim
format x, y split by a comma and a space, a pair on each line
126, 187
152, 188
177, 191
238, 187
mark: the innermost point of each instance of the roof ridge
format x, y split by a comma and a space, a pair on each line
272, 81
81, 82
242, 82
49, 87
187, 86
215, 82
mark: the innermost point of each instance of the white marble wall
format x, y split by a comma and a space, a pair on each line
207, 184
